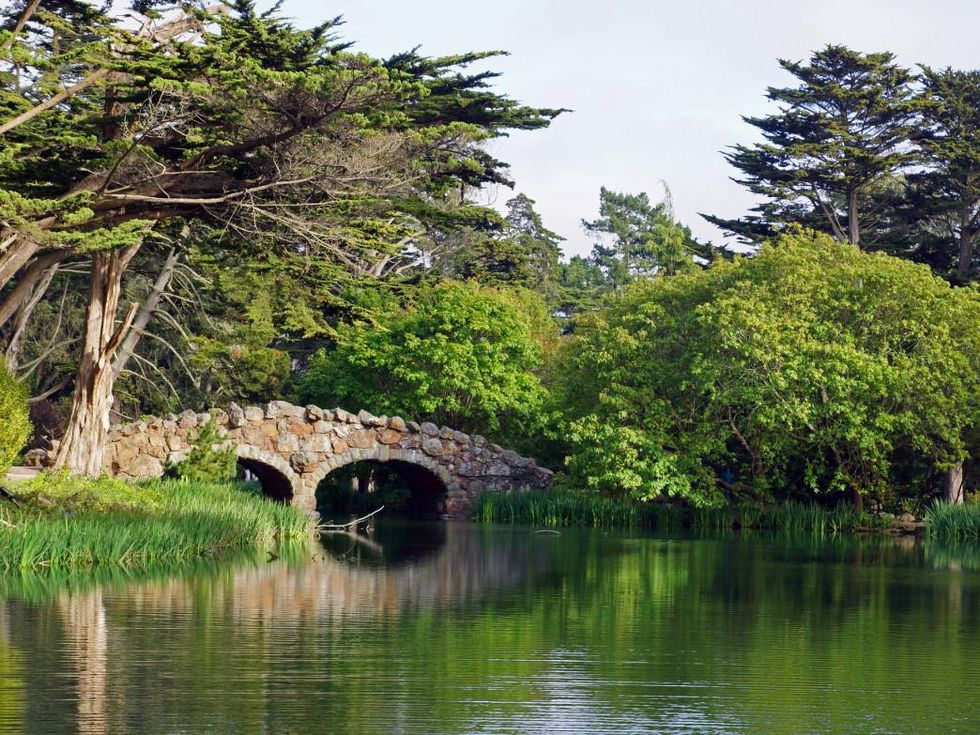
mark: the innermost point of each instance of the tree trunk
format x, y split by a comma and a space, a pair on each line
954, 484
34, 295
25, 284
858, 499
82, 447
853, 219
149, 306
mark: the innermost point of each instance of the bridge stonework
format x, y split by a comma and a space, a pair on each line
302, 445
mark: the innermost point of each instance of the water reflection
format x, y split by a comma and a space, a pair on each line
453, 628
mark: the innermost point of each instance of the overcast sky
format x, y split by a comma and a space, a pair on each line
657, 88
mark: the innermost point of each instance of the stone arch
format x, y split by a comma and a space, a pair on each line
278, 479
409, 458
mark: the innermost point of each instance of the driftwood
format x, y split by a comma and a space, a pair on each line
349, 526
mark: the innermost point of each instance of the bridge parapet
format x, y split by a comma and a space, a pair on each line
303, 444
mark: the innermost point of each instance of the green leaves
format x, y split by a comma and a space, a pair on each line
463, 355
15, 428
811, 366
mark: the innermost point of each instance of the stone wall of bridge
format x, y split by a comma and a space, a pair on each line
293, 448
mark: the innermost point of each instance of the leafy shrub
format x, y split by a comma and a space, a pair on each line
811, 367
15, 426
207, 460
462, 354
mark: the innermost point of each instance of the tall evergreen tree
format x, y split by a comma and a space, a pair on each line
832, 146
943, 203
637, 238
302, 154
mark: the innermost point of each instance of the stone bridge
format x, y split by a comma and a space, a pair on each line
291, 449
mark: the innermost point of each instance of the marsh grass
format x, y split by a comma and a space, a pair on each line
953, 522
569, 508
155, 523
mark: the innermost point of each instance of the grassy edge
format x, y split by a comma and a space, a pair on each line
179, 522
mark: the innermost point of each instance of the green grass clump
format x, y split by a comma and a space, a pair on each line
161, 522
572, 508
953, 522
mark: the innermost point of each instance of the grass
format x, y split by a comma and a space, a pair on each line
71, 523
953, 522
569, 508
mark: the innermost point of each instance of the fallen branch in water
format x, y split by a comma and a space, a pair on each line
345, 526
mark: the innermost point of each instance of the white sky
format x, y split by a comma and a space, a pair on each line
657, 87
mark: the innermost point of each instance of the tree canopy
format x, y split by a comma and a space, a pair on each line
810, 365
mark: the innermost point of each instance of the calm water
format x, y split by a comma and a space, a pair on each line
460, 629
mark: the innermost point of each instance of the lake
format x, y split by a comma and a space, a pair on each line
457, 628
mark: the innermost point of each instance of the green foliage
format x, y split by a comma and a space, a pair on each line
15, 428
834, 139
209, 460
811, 366
179, 523
953, 522
642, 238
78, 494
941, 207
462, 354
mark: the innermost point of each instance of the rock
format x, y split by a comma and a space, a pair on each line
339, 445
322, 427
35, 458
364, 439
145, 466
287, 443
429, 429
254, 413
498, 469
510, 456
389, 436
314, 414
369, 419
432, 447
478, 441
446, 433
272, 409
317, 443
304, 461
496, 448
342, 416
397, 423
906, 518
460, 438
236, 416
413, 426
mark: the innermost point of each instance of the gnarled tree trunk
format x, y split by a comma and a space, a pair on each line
82, 447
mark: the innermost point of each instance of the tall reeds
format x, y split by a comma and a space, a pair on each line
953, 522
185, 521
570, 508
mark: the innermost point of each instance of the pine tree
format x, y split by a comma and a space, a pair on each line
837, 138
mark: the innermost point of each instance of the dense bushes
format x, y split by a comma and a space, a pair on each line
811, 368
462, 354
15, 427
